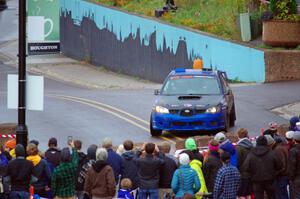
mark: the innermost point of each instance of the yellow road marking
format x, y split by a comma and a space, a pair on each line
111, 112
107, 106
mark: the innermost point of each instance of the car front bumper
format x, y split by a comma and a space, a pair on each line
171, 122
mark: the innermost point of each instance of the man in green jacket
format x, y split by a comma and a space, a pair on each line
64, 175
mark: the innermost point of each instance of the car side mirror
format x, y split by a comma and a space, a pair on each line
156, 92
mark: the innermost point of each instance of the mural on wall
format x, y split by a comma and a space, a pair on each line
147, 48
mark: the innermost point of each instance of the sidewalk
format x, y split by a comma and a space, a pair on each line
61, 68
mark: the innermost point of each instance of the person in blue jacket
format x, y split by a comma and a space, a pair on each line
185, 179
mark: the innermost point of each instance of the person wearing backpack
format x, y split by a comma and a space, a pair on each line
83, 169
185, 182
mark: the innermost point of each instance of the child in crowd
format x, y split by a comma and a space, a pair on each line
124, 192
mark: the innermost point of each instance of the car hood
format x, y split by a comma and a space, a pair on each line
186, 101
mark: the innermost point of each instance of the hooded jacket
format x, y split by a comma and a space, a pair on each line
53, 156
197, 166
166, 172
294, 160
130, 168
42, 172
281, 152
100, 181
210, 169
82, 170
185, 180
242, 149
262, 164
229, 147
148, 170
20, 171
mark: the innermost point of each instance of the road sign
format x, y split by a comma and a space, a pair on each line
34, 92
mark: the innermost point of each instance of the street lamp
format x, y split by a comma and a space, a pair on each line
21, 130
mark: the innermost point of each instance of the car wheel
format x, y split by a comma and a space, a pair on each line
153, 131
232, 117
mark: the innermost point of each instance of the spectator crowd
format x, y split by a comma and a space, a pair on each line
266, 167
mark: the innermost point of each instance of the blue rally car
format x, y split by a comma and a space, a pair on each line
192, 100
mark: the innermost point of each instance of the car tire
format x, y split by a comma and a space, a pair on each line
154, 132
232, 116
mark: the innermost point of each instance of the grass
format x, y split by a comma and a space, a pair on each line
213, 16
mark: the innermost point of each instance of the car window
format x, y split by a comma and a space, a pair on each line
191, 85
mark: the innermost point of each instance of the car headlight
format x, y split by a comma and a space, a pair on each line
160, 109
213, 109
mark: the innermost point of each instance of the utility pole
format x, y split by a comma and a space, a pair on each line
21, 130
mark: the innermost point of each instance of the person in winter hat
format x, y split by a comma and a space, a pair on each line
100, 181
289, 135
293, 122
185, 179
243, 147
228, 179
270, 140
230, 148
130, 167
40, 171
64, 175
125, 192
20, 172
191, 145
294, 166
82, 170
212, 164
262, 173
196, 164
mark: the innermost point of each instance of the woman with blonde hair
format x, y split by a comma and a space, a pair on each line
40, 170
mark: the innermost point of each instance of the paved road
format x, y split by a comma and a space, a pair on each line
86, 114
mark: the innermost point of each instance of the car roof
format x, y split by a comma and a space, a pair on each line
182, 71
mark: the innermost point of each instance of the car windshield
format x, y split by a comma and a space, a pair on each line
191, 85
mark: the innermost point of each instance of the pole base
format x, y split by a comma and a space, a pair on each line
22, 135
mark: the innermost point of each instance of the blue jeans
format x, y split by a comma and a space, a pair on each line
18, 195
281, 184
144, 193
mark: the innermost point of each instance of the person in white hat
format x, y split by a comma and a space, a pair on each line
294, 166
185, 181
289, 137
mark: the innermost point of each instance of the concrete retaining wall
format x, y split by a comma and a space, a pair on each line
282, 65
149, 48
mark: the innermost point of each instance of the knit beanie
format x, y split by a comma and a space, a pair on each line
91, 152
184, 159
11, 144
20, 151
190, 144
270, 140
213, 145
297, 136
298, 126
65, 155
289, 135
220, 137
261, 141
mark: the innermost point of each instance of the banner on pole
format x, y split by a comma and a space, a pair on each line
43, 26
